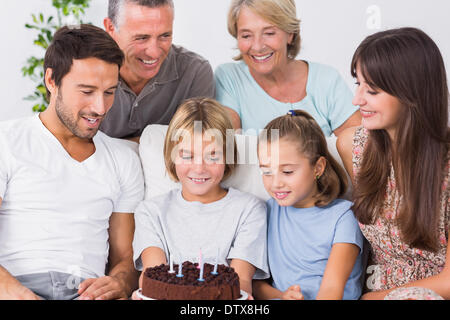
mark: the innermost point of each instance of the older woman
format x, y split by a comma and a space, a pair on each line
269, 81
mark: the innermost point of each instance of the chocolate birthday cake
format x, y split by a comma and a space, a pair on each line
159, 284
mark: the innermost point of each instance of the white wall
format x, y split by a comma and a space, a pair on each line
331, 31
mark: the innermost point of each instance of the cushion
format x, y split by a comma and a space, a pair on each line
246, 177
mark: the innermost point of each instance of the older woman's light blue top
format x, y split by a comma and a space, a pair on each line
328, 99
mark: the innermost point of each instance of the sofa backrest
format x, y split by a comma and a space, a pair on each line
245, 178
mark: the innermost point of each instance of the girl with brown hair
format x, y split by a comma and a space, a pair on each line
314, 244
399, 161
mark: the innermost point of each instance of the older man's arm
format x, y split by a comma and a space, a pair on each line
122, 278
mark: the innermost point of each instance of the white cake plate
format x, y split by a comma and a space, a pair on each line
244, 295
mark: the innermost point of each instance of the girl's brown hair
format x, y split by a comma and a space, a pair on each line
406, 64
307, 136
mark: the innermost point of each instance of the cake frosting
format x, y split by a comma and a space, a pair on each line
158, 283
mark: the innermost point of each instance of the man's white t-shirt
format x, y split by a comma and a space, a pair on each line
55, 210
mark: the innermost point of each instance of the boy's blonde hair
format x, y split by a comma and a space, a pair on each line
281, 13
213, 116
307, 136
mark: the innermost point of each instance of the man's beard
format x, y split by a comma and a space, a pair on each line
69, 122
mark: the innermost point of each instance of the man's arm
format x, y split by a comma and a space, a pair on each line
122, 278
10, 288
121, 232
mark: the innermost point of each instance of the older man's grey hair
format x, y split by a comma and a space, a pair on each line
115, 6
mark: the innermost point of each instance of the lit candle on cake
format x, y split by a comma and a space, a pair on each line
201, 272
215, 265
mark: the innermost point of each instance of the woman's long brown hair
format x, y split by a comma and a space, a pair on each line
407, 64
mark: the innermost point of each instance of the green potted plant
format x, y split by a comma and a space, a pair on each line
68, 12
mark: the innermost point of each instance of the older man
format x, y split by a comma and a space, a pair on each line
157, 75
68, 191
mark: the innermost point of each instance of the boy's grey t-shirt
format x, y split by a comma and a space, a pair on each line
235, 226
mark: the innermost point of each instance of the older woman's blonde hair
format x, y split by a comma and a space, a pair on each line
281, 13
213, 118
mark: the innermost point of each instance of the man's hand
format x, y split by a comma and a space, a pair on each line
11, 289
104, 288
293, 293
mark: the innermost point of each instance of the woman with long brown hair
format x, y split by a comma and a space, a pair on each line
399, 161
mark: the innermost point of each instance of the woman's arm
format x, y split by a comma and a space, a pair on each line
245, 271
344, 145
339, 267
439, 283
353, 121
